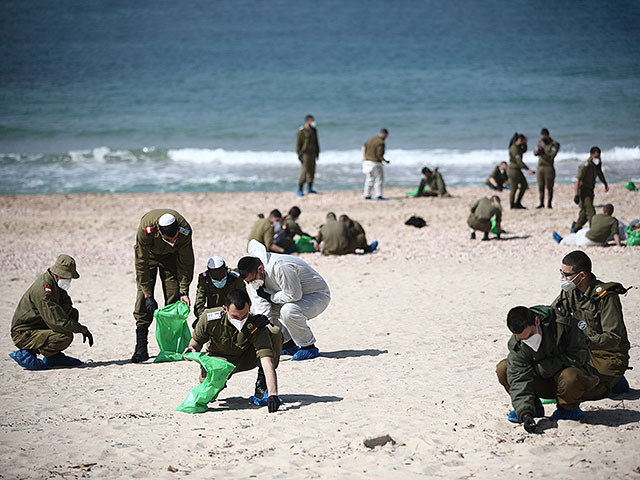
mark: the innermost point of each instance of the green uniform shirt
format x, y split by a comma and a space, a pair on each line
356, 228
483, 210
209, 296
548, 152
563, 345
515, 158
600, 310
292, 228
149, 243
374, 149
436, 182
498, 176
335, 236
45, 306
226, 341
307, 141
602, 226
587, 174
262, 231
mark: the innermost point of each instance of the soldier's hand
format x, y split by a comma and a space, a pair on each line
273, 403
576, 199
150, 304
86, 335
185, 299
262, 294
529, 424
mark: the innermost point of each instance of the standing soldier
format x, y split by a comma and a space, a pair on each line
372, 159
163, 245
517, 147
308, 150
546, 152
585, 185
45, 319
213, 285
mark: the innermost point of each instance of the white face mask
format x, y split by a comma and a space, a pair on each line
64, 283
313, 124
534, 341
257, 283
596, 161
238, 323
567, 285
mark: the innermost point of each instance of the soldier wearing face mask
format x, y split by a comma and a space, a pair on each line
213, 286
596, 307
45, 319
248, 341
163, 246
264, 230
585, 185
548, 358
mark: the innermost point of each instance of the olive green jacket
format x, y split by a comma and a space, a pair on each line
374, 149
515, 158
292, 228
307, 141
150, 245
563, 345
45, 306
436, 182
587, 174
209, 296
483, 210
262, 231
601, 227
498, 176
335, 238
548, 152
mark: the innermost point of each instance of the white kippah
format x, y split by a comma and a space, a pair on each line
215, 262
166, 220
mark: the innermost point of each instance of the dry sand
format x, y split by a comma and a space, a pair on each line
411, 339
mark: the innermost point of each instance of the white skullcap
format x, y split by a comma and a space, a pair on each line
215, 262
166, 220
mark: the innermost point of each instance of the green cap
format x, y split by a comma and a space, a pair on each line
65, 267
631, 186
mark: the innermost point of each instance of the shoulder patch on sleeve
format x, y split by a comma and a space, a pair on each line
211, 316
184, 231
47, 289
582, 324
203, 274
148, 230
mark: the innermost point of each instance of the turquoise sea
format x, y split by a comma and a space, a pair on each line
162, 96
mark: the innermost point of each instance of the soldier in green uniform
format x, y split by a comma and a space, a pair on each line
498, 177
585, 185
596, 307
308, 150
245, 340
546, 152
263, 231
358, 238
548, 358
291, 224
45, 320
517, 147
372, 160
602, 226
334, 238
481, 214
163, 245
435, 182
213, 285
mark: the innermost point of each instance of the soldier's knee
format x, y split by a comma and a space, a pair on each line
501, 372
58, 341
568, 378
289, 310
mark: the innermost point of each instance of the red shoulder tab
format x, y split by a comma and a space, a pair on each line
203, 274
148, 230
47, 289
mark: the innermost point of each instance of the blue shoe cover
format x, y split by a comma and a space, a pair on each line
300, 193
262, 402
513, 418
290, 350
562, 414
573, 228
373, 246
28, 360
621, 387
557, 237
61, 360
306, 354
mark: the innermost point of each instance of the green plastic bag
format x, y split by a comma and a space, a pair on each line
218, 370
630, 186
413, 192
633, 238
547, 401
172, 331
304, 245
494, 228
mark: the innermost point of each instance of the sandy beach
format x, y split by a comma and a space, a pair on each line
410, 342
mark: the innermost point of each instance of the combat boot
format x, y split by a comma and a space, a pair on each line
485, 237
141, 353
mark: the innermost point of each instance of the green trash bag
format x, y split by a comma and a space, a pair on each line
218, 370
547, 401
630, 186
633, 238
494, 228
304, 245
172, 331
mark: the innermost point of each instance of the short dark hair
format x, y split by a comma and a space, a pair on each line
385, 131
579, 260
608, 209
522, 136
275, 213
248, 266
520, 318
344, 218
426, 171
169, 230
595, 150
544, 131
331, 215
237, 297
308, 117
294, 212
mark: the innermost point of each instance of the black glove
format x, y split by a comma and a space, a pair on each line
261, 293
150, 304
529, 424
576, 200
86, 335
273, 403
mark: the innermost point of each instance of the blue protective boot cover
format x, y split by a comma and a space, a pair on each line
512, 417
28, 360
562, 414
306, 354
61, 360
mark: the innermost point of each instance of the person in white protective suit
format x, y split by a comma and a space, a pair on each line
289, 292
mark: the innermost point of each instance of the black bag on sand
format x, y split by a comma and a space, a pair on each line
417, 222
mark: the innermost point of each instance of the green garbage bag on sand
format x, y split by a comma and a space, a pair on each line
304, 245
172, 331
218, 370
494, 228
633, 238
630, 186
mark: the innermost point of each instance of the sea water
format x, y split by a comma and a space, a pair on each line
203, 96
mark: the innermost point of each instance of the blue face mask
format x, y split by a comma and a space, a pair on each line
219, 283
